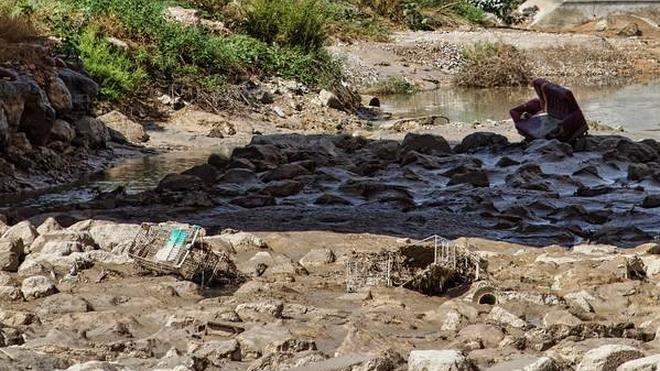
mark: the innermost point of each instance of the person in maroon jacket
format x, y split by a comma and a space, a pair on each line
555, 114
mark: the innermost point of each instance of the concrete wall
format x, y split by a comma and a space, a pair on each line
559, 14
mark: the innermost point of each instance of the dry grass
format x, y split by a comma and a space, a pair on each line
489, 65
16, 29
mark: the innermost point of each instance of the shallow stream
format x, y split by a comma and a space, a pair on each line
634, 107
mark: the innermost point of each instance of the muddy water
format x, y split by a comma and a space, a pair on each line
135, 174
634, 107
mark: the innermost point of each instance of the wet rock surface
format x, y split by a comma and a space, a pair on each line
534, 193
47, 136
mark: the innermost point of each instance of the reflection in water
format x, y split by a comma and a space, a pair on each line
136, 175
635, 107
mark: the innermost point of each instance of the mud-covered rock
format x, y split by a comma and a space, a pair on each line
425, 144
11, 252
123, 129
37, 287
317, 257
482, 140
92, 132
608, 358
438, 360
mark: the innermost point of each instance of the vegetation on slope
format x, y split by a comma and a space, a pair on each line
132, 47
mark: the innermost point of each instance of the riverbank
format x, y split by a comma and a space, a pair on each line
430, 60
537, 308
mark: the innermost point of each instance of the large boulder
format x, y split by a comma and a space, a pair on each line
37, 287
506, 318
608, 357
317, 257
38, 115
59, 96
651, 363
122, 128
108, 235
83, 90
425, 144
482, 140
438, 360
92, 132
260, 311
62, 131
24, 231
49, 225
11, 252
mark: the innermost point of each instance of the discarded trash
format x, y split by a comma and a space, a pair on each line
430, 266
555, 114
179, 249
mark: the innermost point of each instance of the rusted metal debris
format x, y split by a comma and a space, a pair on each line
430, 266
180, 250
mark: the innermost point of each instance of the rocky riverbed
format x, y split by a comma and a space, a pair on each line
589, 307
600, 189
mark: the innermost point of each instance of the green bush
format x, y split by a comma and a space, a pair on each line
295, 23
469, 12
116, 72
391, 85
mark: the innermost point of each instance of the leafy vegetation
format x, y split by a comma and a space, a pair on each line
503, 9
271, 37
116, 72
297, 23
492, 64
469, 12
391, 85
168, 54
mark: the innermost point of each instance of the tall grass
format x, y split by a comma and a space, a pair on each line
391, 85
16, 28
295, 23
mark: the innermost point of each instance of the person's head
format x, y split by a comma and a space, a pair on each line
538, 87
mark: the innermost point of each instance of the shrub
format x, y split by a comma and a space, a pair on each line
296, 23
503, 9
115, 71
391, 9
391, 85
492, 64
469, 12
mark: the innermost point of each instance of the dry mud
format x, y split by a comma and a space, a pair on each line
551, 306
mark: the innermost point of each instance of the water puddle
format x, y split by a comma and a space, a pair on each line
633, 107
135, 174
